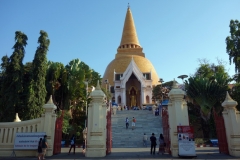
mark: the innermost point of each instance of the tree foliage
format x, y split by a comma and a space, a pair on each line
233, 44
161, 91
37, 88
12, 87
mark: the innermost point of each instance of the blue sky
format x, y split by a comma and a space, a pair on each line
174, 34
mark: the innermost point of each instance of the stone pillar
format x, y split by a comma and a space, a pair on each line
49, 124
232, 124
178, 115
96, 132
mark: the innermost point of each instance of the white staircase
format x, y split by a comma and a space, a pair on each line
146, 122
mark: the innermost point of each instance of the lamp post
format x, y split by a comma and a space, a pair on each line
182, 77
86, 83
106, 82
161, 81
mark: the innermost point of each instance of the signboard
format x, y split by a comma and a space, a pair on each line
27, 140
186, 143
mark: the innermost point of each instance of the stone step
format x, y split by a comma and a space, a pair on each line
146, 122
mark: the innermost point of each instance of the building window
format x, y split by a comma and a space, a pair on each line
118, 76
147, 76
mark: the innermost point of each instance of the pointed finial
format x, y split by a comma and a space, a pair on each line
174, 84
50, 101
17, 119
128, 5
228, 97
98, 86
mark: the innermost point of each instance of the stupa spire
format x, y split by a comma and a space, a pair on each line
129, 34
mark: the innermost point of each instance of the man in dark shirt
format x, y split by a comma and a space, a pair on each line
153, 143
44, 146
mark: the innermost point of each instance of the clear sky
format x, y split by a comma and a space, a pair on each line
174, 34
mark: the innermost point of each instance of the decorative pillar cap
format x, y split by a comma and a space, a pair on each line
50, 104
229, 102
175, 91
97, 92
17, 119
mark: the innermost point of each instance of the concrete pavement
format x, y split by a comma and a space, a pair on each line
130, 153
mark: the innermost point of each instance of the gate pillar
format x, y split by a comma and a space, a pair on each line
49, 124
96, 126
232, 124
178, 115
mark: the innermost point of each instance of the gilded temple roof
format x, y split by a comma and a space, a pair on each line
129, 48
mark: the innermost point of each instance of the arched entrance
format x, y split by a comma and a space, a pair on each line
133, 92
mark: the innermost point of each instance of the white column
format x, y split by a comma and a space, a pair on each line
232, 125
124, 100
49, 124
178, 114
143, 95
96, 133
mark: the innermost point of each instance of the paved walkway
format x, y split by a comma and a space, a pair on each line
130, 153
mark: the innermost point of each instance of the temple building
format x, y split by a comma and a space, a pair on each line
130, 73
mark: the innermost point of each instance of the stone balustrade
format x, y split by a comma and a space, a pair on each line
46, 123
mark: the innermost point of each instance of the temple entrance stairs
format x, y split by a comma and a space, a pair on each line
146, 122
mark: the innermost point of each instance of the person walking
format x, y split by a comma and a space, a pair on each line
83, 147
44, 146
40, 152
145, 139
72, 142
133, 123
153, 143
161, 144
127, 123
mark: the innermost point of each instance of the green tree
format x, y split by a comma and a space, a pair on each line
208, 91
233, 44
161, 91
37, 88
12, 83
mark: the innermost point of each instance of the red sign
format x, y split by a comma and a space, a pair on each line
185, 130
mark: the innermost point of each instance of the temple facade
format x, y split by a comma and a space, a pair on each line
130, 74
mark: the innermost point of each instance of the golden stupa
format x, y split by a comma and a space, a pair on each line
129, 48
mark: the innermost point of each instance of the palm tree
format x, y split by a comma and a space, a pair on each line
207, 92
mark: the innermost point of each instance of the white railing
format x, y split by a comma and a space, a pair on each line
9, 129
46, 124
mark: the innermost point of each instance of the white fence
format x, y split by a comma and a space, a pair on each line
44, 124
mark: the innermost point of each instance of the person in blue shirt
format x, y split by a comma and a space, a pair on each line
72, 142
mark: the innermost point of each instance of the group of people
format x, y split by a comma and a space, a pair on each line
133, 123
42, 147
153, 140
73, 145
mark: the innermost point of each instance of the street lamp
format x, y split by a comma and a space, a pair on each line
106, 82
182, 77
160, 109
86, 83
161, 81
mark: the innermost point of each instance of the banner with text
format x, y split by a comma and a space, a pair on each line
27, 140
186, 143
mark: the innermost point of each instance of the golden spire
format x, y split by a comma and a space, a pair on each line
129, 35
